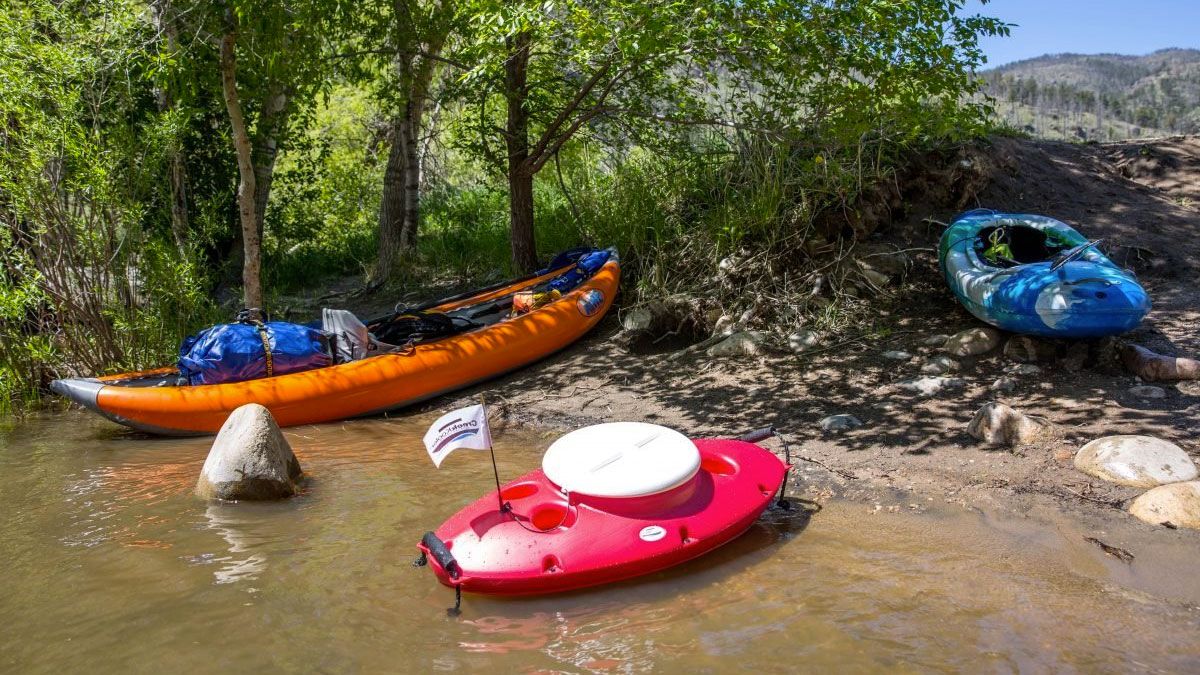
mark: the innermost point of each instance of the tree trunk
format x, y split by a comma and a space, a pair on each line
412, 177
392, 205
251, 278
520, 173
520, 213
272, 123
177, 166
179, 206
400, 207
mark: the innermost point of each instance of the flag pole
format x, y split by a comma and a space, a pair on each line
492, 452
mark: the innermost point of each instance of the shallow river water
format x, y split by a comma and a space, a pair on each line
110, 564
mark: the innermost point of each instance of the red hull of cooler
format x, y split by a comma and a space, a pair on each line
546, 544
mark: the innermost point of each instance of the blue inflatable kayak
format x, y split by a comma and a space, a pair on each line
1033, 274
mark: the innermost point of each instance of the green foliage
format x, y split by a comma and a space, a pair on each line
84, 285
322, 218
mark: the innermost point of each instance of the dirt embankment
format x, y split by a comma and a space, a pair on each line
913, 449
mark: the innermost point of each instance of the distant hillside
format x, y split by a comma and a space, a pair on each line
1100, 96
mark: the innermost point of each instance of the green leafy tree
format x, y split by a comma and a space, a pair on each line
412, 34
272, 59
620, 69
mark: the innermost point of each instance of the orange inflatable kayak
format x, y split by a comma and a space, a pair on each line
157, 402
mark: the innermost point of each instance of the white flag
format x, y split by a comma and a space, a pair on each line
463, 428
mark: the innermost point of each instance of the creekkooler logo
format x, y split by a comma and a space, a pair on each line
453, 431
652, 533
590, 302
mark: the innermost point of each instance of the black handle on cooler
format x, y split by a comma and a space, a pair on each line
441, 554
757, 435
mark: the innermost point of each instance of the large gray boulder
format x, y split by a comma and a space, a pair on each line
998, 424
1177, 504
1136, 461
250, 459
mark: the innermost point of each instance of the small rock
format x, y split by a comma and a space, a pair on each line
936, 340
1004, 384
890, 263
877, 279
250, 459
998, 424
928, 386
1177, 504
1029, 349
972, 342
840, 423
897, 355
637, 319
1137, 461
1148, 391
1025, 369
802, 341
724, 325
745, 343
939, 365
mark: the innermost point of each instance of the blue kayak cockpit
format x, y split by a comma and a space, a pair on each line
1036, 275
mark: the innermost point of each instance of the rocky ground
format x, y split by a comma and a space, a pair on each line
905, 442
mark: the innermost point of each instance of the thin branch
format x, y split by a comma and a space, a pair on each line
571, 107
391, 52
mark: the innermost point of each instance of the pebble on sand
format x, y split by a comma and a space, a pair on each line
939, 365
803, 341
998, 424
928, 386
1004, 384
745, 343
972, 342
1136, 461
840, 423
1148, 391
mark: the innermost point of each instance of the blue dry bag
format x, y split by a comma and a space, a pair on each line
584, 269
234, 352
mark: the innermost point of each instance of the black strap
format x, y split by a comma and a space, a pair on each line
266, 340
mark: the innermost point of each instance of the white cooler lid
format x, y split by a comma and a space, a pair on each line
621, 459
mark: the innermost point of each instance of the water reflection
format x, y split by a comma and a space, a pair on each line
235, 526
127, 503
611, 626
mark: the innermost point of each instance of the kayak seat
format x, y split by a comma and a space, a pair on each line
1024, 245
621, 459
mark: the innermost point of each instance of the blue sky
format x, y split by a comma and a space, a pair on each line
1089, 27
